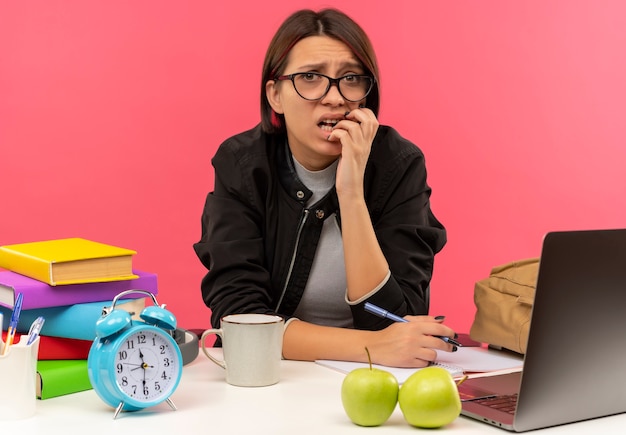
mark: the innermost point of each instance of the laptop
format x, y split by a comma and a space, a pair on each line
576, 355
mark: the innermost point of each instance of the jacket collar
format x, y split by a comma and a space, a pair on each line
297, 190
288, 176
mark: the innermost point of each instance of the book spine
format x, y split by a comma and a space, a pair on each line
68, 348
57, 348
26, 265
76, 321
38, 294
60, 377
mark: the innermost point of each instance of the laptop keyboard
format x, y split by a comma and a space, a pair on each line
506, 403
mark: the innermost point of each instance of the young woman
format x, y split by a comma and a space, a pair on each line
319, 209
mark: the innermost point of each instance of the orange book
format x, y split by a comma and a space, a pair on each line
68, 261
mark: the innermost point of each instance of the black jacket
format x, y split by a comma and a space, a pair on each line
258, 238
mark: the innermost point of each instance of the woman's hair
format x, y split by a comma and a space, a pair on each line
305, 23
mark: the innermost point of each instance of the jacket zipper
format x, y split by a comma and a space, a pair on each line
305, 215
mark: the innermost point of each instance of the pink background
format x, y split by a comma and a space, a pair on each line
111, 110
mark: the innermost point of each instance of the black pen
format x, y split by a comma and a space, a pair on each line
381, 312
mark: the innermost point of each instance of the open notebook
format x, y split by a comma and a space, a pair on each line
464, 360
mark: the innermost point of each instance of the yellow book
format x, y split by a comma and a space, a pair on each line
68, 261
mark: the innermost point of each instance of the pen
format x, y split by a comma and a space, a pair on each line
381, 312
15, 317
35, 329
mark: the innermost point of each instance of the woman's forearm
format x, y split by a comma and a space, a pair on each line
366, 266
309, 342
410, 344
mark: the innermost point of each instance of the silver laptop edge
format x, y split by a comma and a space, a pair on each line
576, 350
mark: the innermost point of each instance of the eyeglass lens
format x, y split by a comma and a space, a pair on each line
315, 86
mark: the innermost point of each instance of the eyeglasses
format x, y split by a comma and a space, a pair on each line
314, 86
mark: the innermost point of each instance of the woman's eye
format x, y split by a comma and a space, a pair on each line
310, 77
350, 79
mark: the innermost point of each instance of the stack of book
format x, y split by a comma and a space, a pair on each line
68, 282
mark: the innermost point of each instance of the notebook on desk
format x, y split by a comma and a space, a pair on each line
576, 354
464, 360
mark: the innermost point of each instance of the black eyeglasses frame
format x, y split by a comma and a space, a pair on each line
331, 81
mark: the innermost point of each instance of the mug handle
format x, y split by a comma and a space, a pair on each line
222, 364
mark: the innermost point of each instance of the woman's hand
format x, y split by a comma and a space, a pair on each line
356, 134
366, 265
411, 344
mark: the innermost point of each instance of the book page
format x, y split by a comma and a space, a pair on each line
480, 359
400, 373
464, 360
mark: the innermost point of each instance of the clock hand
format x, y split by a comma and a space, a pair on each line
144, 364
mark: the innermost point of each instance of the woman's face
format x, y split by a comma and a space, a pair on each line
309, 122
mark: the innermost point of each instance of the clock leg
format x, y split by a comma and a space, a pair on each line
169, 402
118, 409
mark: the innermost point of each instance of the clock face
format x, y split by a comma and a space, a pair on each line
147, 365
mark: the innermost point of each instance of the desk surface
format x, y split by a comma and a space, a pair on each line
306, 400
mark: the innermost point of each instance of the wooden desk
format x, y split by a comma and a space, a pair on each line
306, 401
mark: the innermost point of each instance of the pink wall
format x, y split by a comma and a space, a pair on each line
110, 112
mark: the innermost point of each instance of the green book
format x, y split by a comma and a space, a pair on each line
59, 377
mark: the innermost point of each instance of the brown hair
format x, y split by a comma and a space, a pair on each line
304, 23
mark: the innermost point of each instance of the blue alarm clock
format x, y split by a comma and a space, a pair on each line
135, 364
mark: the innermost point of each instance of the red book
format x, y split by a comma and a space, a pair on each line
51, 348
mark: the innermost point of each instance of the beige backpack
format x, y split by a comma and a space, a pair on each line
504, 302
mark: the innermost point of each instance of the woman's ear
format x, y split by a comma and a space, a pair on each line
272, 92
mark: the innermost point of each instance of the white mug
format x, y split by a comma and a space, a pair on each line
252, 345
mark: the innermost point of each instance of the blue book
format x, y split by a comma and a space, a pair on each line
72, 321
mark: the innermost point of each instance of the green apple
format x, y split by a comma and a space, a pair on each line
369, 395
429, 398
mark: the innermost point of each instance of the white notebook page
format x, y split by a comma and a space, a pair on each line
464, 360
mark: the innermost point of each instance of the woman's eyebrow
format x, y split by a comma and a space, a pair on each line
319, 66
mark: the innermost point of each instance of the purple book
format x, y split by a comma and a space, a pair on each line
38, 294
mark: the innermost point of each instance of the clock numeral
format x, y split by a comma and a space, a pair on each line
124, 381
123, 355
157, 387
141, 339
146, 391
130, 344
166, 362
163, 348
164, 376
119, 367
